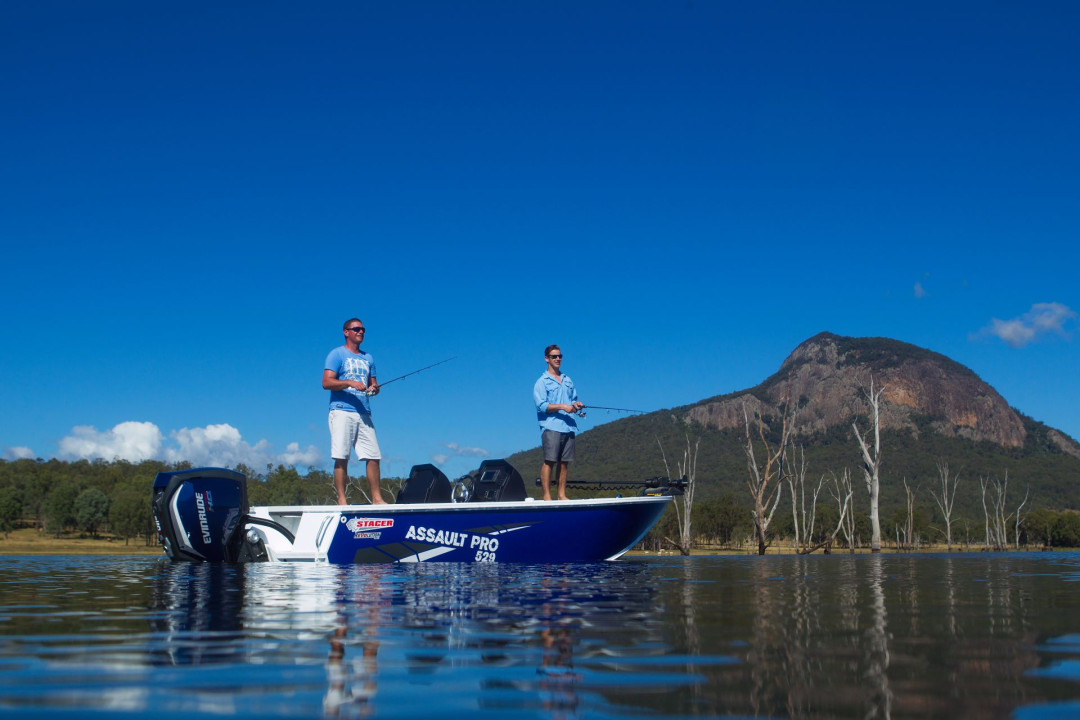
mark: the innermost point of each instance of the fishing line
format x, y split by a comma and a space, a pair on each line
402, 377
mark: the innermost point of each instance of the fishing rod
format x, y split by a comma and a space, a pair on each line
402, 377
581, 413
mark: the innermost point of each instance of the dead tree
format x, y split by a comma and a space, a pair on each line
872, 463
688, 470
805, 518
1019, 517
389, 486
909, 519
997, 534
947, 497
797, 485
843, 491
764, 480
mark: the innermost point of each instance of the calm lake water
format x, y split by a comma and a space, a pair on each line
963, 635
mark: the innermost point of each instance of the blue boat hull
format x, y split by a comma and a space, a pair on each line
203, 516
528, 532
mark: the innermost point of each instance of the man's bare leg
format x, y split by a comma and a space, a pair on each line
341, 479
563, 467
373, 477
545, 478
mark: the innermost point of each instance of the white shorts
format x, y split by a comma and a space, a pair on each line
348, 431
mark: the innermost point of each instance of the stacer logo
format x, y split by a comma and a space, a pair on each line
358, 524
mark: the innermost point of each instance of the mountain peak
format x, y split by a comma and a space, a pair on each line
830, 375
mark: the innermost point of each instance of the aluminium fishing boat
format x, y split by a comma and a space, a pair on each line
202, 515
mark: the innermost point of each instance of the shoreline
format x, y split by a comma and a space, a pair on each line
29, 541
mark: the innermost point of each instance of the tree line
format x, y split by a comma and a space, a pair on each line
99, 497
777, 469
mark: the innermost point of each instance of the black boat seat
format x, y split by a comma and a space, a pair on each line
426, 484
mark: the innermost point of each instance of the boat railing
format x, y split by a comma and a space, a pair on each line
649, 486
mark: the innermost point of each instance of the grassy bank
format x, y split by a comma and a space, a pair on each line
28, 541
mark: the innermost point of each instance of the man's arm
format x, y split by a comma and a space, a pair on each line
542, 405
330, 381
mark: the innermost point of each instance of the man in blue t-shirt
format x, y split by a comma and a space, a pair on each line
556, 401
349, 375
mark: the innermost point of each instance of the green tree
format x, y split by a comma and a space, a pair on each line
130, 513
283, 487
719, 520
1067, 530
1039, 526
59, 507
91, 509
10, 509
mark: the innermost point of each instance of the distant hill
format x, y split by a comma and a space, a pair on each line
932, 408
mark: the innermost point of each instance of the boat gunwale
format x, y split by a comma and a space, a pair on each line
391, 508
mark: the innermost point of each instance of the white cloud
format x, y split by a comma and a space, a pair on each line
307, 457
1043, 318
20, 452
460, 451
134, 441
220, 445
217, 445
440, 459
920, 291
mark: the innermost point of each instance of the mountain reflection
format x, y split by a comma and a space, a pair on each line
871, 636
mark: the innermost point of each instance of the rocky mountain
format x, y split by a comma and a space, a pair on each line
829, 377
933, 409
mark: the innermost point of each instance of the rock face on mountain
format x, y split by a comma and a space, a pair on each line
829, 377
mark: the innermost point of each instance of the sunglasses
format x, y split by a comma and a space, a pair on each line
555, 357
356, 329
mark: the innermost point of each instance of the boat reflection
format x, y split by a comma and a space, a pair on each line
199, 609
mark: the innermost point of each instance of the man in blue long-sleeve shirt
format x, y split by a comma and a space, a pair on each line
556, 402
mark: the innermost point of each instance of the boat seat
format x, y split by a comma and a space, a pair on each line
498, 481
426, 484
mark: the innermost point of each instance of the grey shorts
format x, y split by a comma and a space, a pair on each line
558, 447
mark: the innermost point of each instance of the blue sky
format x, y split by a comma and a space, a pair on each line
195, 196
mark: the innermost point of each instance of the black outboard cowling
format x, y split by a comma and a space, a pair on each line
498, 481
200, 514
426, 484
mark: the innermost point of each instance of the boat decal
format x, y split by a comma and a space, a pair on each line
436, 536
428, 554
507, 530
499, 529
202, 500
357, 524
390, 552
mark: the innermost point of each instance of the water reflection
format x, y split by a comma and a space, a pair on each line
201, 606
352, 680
875, 636
885, 636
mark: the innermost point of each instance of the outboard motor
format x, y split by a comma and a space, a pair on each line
498, 481
200, 514
426, 484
